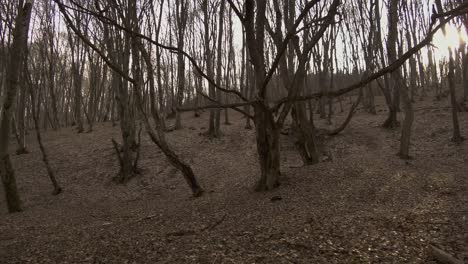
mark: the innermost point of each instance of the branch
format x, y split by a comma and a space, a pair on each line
217, 106
304, 57
150, 40
116, 68
460, 10
291, 33
392, 67
237, 11
353, 109
90, 44
442, 256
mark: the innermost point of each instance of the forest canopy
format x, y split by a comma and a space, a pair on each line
142, 63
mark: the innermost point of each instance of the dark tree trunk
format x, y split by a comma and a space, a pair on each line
21, 121
391, 121
399, 85
407, 123
18, 49
268, 148
457, 138
465, 76
159, 138
181, 19
306, 139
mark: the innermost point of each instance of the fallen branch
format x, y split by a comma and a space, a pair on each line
442, 256
217, 223
148, 217
193, 232
181, 233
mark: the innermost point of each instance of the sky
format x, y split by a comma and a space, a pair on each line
441, 42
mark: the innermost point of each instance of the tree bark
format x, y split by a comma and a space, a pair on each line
212, 132
399, 86
159, 138
17, 52
391, 121
465, 75
181, 19
21, 121
219, 62
457, 138
268, 148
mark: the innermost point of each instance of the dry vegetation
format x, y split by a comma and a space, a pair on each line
362, 204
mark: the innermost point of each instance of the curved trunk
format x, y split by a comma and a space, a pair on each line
45, 159
352, 111
159, 138
183, 167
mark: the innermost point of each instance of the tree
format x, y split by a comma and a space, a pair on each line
397, 79
267, 127
181, 22
286, 57
19, 46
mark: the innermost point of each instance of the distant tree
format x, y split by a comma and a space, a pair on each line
181, 7
397, 79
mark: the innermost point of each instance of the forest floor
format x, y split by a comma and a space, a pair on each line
362, 204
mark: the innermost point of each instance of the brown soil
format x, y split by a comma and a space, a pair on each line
361, 205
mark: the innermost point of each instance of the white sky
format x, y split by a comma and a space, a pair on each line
441, 42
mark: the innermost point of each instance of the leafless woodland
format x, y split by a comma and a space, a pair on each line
321, 131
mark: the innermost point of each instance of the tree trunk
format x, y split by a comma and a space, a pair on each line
17, 52
391, 121
219, 70
465, 76
457, 138
77, 81
158, 138
306, 139
268, 148
119, 50
45, 159
21, 122
181, 18
212, 132
399, 86
407, 123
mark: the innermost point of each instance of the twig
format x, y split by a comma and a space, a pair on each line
442, 256
193, 232
117, 151
217, 223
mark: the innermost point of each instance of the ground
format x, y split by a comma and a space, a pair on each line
362, 204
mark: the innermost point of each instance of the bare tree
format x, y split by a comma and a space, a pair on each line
19, 46
181, 7
393, 14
